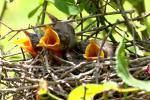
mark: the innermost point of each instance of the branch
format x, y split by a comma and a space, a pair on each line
3, 10
18, 89
117, 23
131, 28
67, 21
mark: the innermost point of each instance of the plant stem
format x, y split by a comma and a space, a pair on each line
43, 11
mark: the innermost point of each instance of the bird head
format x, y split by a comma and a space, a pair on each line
65, 32
50, 40
92, 50
26, 44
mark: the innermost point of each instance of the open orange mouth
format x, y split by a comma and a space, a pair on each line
92, 50
51, 41
26, 44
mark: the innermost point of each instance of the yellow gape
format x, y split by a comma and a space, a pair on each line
92, 50
26, 44
51, 41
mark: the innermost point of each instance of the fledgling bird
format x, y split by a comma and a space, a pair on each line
29, 43
51, 41
65, 32
92, 49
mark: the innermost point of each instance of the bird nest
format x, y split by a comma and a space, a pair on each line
65, 77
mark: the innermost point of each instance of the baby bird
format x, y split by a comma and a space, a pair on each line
29, 43
92, 49
51, 41
65, 32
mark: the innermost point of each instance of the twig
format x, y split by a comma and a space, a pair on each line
81, 75
74, 68
81, 25
23, 55
62, 60
9, 55
18, 89
6, 26
67, 21
3, 10
117, 23
43, 11
128, 23
24, 66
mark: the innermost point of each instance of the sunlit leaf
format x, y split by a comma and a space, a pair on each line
88, 91
135, 2
141, 28
15, 57
33, 11
43, 92
114, 4
66, 6
88, 5
123, 72
71, 1
41, 2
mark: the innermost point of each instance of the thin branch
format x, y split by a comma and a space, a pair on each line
43, 11
3, 10
67, 21
131, 28
18, 88
6, 26
117, 23
74, 68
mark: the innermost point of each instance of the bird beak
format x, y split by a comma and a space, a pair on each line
92, 50
52, 18
26, 44
50, 39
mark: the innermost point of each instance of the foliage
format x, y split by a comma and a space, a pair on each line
123, 72
88, 91
43, 93
67, 6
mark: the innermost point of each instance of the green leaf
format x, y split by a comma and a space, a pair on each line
66, 6
33, 11
43, 93
88, 91
71, 1
41, 2
114, 5
135, 2
123, 72
88, 5
52, 1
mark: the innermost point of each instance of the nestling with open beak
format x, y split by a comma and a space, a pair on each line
65, 32
51, 41
29, 43
93, 49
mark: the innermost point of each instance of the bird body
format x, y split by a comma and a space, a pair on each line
65, 32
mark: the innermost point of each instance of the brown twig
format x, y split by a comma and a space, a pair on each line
18, 88
67, 21
74, 68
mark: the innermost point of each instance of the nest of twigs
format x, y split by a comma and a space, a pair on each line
62, 79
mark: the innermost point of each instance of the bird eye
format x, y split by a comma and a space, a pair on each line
58, 31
